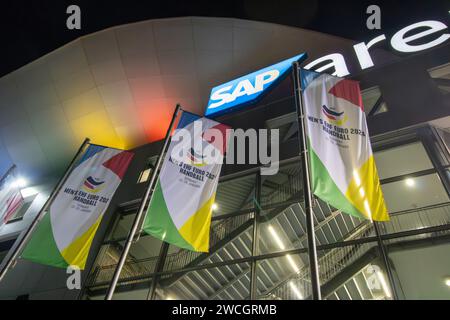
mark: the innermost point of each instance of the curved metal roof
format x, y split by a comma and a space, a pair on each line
119, 86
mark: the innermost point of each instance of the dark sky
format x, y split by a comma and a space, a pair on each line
32, 28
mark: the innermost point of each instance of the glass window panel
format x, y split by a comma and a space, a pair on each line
143, 177
3, 255
413, 193
370, 96
382, 108
422, 271
441, 72
402, 160
442, 145
122, 226
418, 219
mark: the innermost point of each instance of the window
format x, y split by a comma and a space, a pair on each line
146, 173
22, 210
402, 160
5, 246
412, 193
441, 76
373, 101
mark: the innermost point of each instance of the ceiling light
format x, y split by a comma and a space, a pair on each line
28, 192
447, 281
292, 263
276, 237
295, 290
20, 183
410, 182
215, 206
384, 284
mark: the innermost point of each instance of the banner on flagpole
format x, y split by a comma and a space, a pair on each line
343, 170
64, 235
181, 206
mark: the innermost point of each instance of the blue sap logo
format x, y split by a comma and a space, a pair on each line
247, 89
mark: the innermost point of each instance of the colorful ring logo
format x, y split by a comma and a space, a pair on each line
336, 118
196, 159
92, 185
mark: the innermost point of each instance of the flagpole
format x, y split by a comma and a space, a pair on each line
137, 219
24, 240
7, 173
312, 251
385, 260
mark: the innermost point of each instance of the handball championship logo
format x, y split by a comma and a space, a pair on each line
334, 117
195, 158
93, 185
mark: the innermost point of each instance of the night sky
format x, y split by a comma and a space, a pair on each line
32, 28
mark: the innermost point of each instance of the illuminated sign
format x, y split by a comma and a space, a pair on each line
404, 41
249, 88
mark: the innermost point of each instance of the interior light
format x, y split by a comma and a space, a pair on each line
410, 182
295, 290
384, 284
276, 237
282, 247
215, 206
169, 297
292, 263
447, 281
28, 192
20, 183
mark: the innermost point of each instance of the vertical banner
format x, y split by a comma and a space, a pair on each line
11, 199
343, 171
181, 206
65, 233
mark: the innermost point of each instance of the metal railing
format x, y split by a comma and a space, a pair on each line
336, 260
135, 268
330, 264
102, 273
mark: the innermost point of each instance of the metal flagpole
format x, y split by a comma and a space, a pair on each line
24, 240
158, 268
312, 251
7, 173
137, 219
385, 260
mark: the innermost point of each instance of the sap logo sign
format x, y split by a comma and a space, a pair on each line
244, 87
244, 90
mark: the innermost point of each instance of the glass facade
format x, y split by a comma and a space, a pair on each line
267, 258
